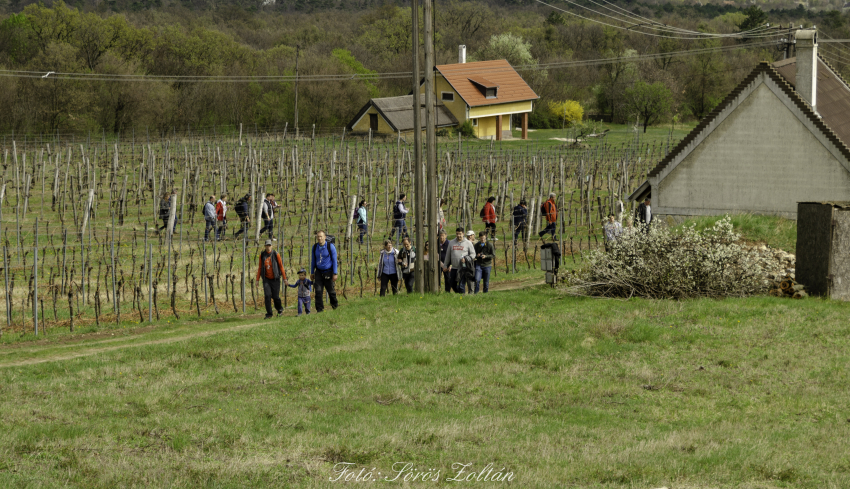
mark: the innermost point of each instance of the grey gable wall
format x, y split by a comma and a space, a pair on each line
759, 158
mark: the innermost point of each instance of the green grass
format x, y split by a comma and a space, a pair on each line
617, 134
561, 391
776, 232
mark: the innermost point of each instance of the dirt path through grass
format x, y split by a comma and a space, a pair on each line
78, 349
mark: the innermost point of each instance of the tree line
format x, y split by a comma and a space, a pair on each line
197, 40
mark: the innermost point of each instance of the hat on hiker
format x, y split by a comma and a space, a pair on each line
302, 271
268, 242
470, 233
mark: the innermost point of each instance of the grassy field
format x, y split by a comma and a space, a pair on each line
618, 134
560, 391
775, 232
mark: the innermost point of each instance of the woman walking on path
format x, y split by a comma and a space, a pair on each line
406, 260
388, 269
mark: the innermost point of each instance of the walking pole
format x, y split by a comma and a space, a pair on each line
206, 297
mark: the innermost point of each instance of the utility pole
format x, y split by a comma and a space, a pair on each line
297, 52
431, 145
418, 201
788, 42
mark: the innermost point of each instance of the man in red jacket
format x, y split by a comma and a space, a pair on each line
549, 210
488, 215
271, 270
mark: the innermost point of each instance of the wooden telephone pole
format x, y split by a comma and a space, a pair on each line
418, 200
297, 52
431, 148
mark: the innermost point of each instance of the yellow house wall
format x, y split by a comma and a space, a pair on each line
486, 127
458, 107
363, 124
487, 110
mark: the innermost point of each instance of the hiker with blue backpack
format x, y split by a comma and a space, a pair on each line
324, 270
241, 209
399, 215
361, 218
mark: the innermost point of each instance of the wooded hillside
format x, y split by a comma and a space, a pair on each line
129, 40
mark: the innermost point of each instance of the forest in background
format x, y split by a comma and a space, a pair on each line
187, 39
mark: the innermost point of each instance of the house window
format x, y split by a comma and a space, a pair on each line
475, 122
490, 93
448, 96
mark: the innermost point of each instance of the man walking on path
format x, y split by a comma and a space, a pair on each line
520, 218
241, 209
458, 249
644, 214
221, 217
267, 213
362, 219
549, 210
324, 270
488, 215
209, 217
304, 286
444, 247
271, 270
484, 253
399, 214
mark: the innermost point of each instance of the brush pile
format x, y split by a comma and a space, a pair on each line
690, 263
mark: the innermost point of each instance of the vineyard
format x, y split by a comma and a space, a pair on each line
83, 242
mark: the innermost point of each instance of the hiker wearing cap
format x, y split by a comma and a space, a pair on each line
470, 236
304, 285
209, 217
613, 230
324, 270
520, 219
459, 249
549, 210
488, 215
484, 254
271, 270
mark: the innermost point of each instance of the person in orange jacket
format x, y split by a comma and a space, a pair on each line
549, 210
271, 271
488, 215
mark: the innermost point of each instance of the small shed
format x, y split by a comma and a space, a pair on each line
823, 241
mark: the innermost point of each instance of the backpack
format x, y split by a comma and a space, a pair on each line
356, 215
164, 207
397, 211
241, 208
481, 214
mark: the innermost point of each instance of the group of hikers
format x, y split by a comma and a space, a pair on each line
465, 262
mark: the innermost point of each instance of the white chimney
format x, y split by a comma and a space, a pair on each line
807, 66
461, 54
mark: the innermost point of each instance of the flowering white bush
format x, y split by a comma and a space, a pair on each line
677, 264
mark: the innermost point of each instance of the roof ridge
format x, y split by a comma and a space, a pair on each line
769, 70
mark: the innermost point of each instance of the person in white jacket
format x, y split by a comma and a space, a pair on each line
459, 248
209, 217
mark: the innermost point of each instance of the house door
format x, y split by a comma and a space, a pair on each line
373, 122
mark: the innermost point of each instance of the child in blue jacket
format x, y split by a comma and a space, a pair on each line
304, 286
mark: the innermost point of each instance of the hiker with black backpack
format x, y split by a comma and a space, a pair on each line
459, 248
399, 214
488, 215
267, 213
164, 210
324, 270
209, 217
361, 218
241, 209
271, 271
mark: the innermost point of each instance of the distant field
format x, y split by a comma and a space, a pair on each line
617, 135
